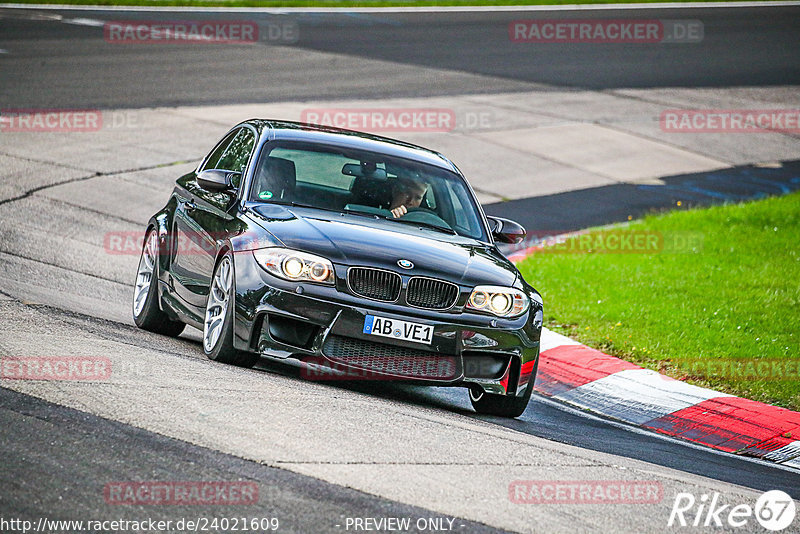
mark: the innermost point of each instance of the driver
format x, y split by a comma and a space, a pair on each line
407, 193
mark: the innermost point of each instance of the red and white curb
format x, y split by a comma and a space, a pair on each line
587, 378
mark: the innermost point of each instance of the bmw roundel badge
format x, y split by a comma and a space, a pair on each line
405, 264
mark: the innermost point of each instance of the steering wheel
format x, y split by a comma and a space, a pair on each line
422, 210
425, 215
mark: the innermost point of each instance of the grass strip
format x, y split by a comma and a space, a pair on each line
710, 296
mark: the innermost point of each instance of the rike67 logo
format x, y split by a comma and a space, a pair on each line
774, 510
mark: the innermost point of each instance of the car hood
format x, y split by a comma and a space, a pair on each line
357, 240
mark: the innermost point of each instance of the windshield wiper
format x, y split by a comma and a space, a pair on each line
359, 212
431, 226
301, 205
337, 210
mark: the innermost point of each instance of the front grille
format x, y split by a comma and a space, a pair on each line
430, 293
390, 359
374, 283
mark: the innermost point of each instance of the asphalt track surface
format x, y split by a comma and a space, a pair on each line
51, 63
50, 438
614, 203
55, 451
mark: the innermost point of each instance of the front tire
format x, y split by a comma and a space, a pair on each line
218, 323
146, 312
499, 405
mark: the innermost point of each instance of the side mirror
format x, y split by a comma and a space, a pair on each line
505, 230
217, 179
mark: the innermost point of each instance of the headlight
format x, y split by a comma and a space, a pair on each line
295, 265
500, 301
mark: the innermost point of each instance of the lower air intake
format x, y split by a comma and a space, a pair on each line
390, 359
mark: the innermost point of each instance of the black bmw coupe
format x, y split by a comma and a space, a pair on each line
359, 256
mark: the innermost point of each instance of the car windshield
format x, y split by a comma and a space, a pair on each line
395, 189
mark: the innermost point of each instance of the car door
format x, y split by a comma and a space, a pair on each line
203, 217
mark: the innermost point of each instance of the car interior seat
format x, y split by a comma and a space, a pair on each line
367, 191
276, 179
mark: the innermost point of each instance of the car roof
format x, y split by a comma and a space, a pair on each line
312, 133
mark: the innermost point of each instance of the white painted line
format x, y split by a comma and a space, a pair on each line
85, 22
414, 9
792, 463
4, 51
787, 453
792, 466
637, 395
552, 339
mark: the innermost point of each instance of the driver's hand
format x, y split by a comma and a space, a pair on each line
399, 211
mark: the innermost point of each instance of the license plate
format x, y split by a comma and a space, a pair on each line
395, 329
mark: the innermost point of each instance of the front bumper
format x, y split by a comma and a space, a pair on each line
324, 328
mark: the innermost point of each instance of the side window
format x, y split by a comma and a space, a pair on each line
213, 159
233, 153
238, 152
